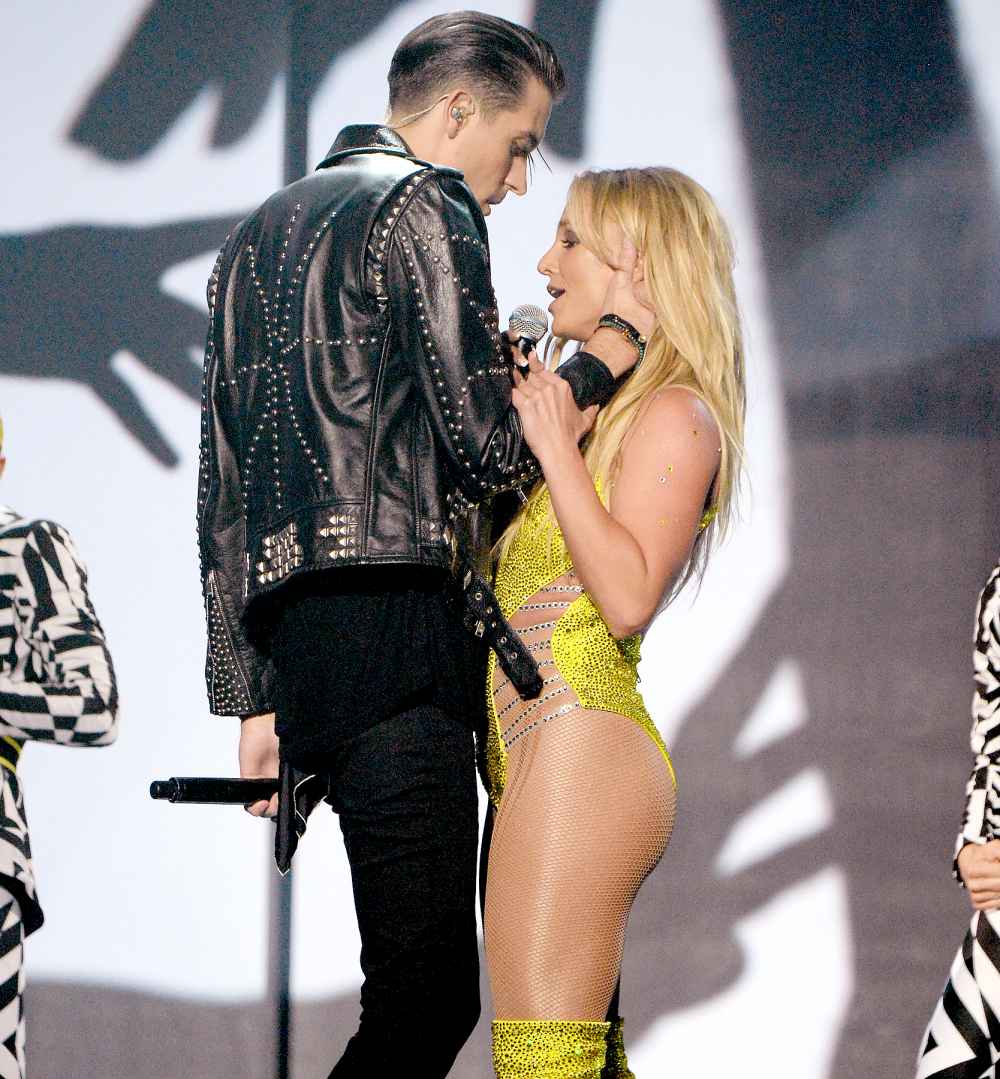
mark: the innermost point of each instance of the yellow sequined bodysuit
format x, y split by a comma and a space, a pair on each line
582, 665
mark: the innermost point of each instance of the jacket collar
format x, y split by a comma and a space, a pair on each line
365, 139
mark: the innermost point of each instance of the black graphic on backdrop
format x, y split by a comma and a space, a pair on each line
238, 47
73, 296
875, 207
70, 298
834, 102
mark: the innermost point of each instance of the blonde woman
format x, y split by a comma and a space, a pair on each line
581, 783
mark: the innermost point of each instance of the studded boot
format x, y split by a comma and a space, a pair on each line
616, 1063
549, 1049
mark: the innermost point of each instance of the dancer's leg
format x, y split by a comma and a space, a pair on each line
12, 1064
587, 812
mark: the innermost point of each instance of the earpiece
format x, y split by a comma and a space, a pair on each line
457, 114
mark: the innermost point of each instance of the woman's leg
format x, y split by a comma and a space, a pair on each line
11, 988
587, 812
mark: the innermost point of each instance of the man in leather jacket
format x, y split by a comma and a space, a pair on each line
357, 408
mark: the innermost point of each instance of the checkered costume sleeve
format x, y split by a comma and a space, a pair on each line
981, 820
57, 683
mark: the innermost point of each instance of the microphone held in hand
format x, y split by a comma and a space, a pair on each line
209, 790
528, 325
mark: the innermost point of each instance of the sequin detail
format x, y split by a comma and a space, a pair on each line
616, 1065
549, 1048
601, 671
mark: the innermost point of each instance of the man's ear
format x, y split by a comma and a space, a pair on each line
459, 106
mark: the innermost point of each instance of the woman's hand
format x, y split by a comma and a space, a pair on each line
627, 295
259, 758
549, 417
979, 867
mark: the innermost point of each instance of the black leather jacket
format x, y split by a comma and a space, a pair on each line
357, 396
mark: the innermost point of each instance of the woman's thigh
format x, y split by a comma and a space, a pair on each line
586, 814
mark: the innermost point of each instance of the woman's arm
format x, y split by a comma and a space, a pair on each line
73, 698
629, 555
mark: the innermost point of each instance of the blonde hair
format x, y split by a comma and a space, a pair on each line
687, 256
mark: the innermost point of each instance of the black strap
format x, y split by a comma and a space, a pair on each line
483, 618
589, 379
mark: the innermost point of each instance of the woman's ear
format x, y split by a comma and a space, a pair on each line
639, 269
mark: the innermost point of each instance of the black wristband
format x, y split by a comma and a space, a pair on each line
626, 329
589, 379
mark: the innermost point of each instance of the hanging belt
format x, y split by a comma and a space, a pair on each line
299, 792
482, 617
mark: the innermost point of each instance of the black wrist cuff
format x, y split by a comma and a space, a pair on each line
589, 379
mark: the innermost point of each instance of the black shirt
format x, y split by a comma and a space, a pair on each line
352, 647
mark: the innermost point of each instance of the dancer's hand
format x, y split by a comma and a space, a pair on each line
627, 295
549, 417
979, 867
259, 758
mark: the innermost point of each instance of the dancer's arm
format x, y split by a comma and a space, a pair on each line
73, 698
627, 557
977, 852
441, 298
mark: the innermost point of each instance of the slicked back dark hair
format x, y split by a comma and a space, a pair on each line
497, 57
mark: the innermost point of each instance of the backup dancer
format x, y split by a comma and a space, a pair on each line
57, 685
962, 1040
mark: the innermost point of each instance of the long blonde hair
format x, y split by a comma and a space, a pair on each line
687, 255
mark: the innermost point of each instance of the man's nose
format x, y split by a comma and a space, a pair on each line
517, 178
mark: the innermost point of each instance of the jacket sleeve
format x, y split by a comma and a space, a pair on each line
982, 793
238, 675
69, 696
444, 312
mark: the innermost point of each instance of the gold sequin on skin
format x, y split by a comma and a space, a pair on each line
600, 670
551, 1049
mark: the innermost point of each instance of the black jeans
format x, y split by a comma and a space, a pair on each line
405, 791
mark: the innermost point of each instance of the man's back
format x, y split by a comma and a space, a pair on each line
354, 379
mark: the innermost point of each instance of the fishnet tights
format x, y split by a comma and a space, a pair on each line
586, 813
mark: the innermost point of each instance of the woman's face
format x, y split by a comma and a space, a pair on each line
578, 281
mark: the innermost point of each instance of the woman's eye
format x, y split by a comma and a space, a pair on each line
568, 242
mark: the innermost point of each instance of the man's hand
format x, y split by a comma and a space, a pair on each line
979, 866
259, 758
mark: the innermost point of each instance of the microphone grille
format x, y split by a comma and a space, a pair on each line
530, 321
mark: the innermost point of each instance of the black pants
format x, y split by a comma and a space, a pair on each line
405, 791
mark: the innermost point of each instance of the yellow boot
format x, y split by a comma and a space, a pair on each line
549, 1048
616, 1063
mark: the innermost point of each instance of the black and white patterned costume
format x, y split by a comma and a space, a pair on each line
963, 1036
57, 685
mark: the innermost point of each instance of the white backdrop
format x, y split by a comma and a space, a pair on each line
186, 888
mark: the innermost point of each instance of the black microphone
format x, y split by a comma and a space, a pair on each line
209, 790
528, 325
